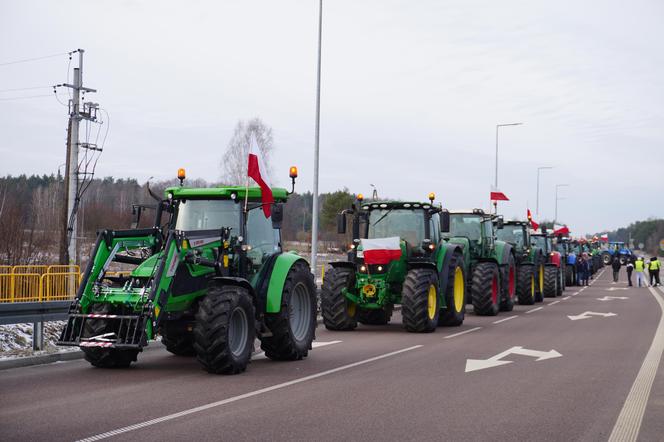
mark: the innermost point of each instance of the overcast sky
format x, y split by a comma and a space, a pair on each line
411, 95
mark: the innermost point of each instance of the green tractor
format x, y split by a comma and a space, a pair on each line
397, 257
529, 261
209, 276
489, 263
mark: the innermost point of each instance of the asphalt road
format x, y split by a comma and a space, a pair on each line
382, 383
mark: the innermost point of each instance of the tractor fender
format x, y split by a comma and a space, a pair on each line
421, 265
444, 258
556, 259
282, 266
503, 250
342, 265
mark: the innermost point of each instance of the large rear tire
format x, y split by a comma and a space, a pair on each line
606, 258
526, 284
550, 281
569, 276
561, 282
338, 312
105, 357
420, 301
225, 329
294, 327
455, 294
380, 316
508, 288
485, 289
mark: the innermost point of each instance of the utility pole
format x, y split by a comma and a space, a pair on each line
314, 208
72, 169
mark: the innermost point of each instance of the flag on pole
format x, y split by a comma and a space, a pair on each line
604, 237
533, 224
254, 172
560, 230
381, 250
497, 195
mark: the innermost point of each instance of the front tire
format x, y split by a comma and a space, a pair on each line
455, 294
177, 339
105, 357
338, 312
485, 289
294, 327
420, 301
526, 284
225, 329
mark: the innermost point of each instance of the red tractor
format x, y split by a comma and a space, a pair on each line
554, 267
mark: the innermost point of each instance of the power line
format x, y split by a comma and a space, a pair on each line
26, 60
24, 88
24, 98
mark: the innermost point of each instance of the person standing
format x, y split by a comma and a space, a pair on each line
639, 267
585, 271
629, 267
615, 265
653, 268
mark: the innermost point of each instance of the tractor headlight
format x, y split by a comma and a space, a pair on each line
363, 269
379, 268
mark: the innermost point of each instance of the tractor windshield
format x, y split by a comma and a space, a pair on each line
208, 215
511, 234
406, 224
466, 225
541, 242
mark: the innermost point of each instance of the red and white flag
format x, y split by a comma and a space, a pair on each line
254, 172
533, 224
381, 250
497, 195
560, 230
604, 237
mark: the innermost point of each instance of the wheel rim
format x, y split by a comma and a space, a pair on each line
532, 286
511, 284
541, 279
494, 289
299, 312
431, 301
237, 332
351, 308
458, 290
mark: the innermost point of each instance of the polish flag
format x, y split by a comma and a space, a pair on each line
266, 193
533, 224
604, 237
381, 250
560, 230
497, 195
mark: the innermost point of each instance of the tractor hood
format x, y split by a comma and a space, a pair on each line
146, 268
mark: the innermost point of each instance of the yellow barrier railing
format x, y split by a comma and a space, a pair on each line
38, 283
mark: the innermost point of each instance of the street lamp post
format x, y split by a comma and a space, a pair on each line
314, 206
497, 127
538, 181
558, 186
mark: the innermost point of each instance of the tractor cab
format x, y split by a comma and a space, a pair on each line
476, 227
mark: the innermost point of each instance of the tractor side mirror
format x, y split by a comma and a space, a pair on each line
445, 221
500, 223
277, 215
341, 223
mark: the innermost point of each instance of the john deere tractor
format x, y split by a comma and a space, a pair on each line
397, 257
209, 276
529, 261
554, 281
489, 263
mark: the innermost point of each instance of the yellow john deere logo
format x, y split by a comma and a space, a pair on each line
369, 290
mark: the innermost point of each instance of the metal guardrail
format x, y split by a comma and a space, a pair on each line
20, 312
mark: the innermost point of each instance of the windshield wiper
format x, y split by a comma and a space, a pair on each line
381, 218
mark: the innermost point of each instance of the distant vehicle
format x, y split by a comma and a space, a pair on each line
614, 247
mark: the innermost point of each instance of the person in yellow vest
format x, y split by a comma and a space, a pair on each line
639, 267
653, 268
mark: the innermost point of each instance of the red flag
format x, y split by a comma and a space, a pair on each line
533, 224
560, 230
497, 195
266, 193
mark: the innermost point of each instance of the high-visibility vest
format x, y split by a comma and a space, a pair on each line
654, 265
638, 265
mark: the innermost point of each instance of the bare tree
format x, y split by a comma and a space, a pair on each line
234, 161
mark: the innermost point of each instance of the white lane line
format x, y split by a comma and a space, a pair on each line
629, 420
243, 396
462, 333
565, 298
554, 302
315, 344
534, 309
506, 319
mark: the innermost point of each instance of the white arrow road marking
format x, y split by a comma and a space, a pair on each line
609, 298
314, 344
613, 289
494, 361
586, 315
